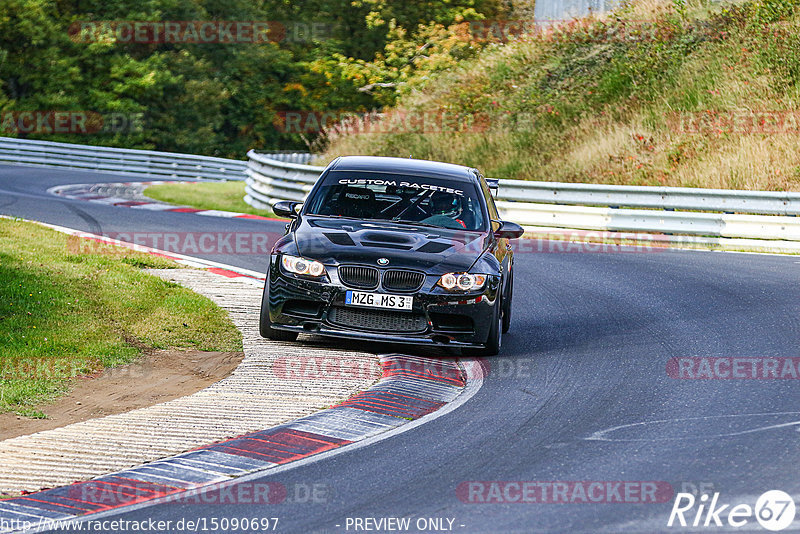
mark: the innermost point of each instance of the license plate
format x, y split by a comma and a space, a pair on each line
379, 300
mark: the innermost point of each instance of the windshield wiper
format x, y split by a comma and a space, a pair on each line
414, 203
396, 221
336, 216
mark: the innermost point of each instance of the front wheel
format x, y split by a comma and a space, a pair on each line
265, 326
495, 340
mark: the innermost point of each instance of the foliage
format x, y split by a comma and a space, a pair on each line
215, 99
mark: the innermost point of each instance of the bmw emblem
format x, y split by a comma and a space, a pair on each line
383, 262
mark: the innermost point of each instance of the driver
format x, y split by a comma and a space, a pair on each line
445, 211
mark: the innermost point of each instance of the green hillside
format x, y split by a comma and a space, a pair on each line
658, 93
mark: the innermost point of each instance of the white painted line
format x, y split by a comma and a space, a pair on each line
111, 200
602, 435
218, 213
155, 207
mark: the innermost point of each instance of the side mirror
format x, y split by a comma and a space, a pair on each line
286, 208
508, 230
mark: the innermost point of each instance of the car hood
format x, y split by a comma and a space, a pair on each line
336, 241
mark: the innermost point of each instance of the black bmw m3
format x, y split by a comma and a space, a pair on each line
393, 250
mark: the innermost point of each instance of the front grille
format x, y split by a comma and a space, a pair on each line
403, 280
377, 320
361, 277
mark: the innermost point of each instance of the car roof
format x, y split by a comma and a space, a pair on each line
414, 167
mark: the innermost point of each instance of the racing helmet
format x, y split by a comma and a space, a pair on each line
445, 204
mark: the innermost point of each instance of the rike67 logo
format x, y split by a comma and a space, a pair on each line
774, 510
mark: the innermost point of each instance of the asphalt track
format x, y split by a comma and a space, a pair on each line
591, 337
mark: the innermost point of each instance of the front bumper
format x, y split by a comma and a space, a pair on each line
437, 318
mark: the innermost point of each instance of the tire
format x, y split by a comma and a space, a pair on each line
507, 305
264, 325
495, 339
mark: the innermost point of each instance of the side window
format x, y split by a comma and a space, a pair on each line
487, 194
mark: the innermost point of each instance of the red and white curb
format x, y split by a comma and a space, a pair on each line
131, 195
412, 391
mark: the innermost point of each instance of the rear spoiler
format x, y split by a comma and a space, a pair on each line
494, 185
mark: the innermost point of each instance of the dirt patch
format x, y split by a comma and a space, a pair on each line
156, 377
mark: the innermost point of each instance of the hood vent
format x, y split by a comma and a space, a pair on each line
340, 239
434, 247
386, 237
385, 245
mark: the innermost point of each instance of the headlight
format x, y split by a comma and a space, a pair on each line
302, 266
462, 281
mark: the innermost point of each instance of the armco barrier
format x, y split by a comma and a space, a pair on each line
662, 198
670, 210
269, 178
119, 161
123, 161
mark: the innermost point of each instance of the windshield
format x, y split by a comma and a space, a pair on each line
406, 199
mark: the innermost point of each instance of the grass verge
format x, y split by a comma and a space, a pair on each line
65, 314
225, 196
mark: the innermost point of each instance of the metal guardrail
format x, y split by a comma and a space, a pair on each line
301, 158
668, 210
662, 198
119, 161
287, 176
270, 180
